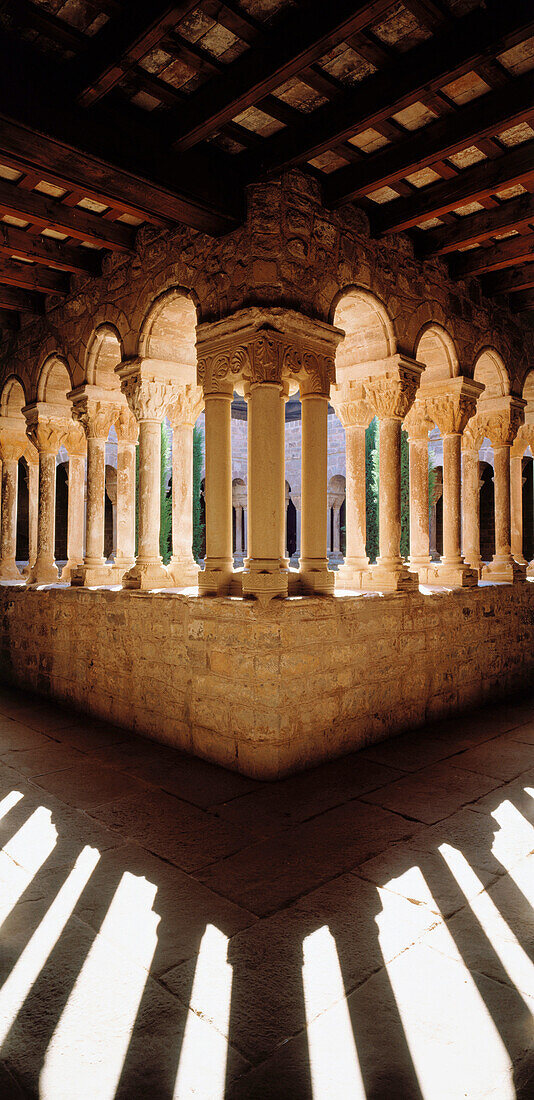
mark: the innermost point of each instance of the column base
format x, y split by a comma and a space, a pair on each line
145, 576
353, 575
530, 569
424, 567
121, 566
89, 576
507, 572
216, 578
43, 573
184, 574
68, 570
457, 576
316, 580
9, 572
265, 584
384, 577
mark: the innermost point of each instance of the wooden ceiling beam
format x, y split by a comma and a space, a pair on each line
471, 185
509, 280
22, 301
47, 251
298, 44
513, 214
449, 54
123, 41
504, 254
33, 277
484, 117
47, 213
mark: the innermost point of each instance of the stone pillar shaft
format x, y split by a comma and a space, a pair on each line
238, 529
96, 487
8, 531
264, 572
75, 517
125, 555
315, 575
389, 505
355, 505
502, 503
33, 511
419, 504
471, 509
337, 532
516, 506
216, 577
452, 502
149, 492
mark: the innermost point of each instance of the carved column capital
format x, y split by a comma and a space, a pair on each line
149, 387
350, 406
451, 412
502, 420
186, 407
75, 440
391, 393
47, 433
126, 426
417, 423
473, 435
12, 446
95, 416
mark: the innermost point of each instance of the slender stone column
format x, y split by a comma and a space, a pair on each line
315, 575
77, 448
337, 532
96, 417
265, 571
418, 425
148, 398
216, 577
516, 498
238, 530
391, 395
47, 434
183, 414
355, 416
471, 442
33, 505
11, 448
329, 524
501, 427
450, 405
127, 435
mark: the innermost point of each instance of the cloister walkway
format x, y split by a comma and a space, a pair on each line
170, 929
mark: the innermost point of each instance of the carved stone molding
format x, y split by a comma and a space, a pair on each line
473, 435
417, 423
350, 406
186, 407
47, 433
451, 413
96, 417
523, 440
12, 446
502, 420
391, 394
75, 440
126, 427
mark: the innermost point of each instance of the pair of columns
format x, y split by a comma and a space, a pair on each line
13, 446
333, 527
264, 353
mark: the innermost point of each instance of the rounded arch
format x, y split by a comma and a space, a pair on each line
104, 353
13, 397
492, 373
436, 350
54, 381
168, 330
368, 328
528, 390
337, 483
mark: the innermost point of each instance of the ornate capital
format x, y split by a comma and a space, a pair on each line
12, 446
451, 412
417, 423
350, 406
75, 441
473, 435
502, 421
392, 394
126, 426
95, 416
523, 440
48, 433
186, 407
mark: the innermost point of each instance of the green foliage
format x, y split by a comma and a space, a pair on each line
405, 497
198, 527
165, 525
371, 489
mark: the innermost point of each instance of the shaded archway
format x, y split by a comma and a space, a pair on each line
487, 512
23, 514
62, 504
436, 351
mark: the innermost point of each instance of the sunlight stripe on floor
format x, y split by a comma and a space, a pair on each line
22, 856
202, 1067
334, 1064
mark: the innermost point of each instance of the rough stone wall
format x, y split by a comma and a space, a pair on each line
291, 251
269, 692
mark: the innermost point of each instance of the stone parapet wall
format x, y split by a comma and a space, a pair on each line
268, 692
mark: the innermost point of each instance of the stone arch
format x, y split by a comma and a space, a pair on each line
104, 353
108, 318
528, 391
168, 330
368, 328
173, 281
436, 351
54, 381
492, 373
13, 397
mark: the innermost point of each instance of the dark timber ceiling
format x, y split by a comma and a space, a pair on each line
115, 113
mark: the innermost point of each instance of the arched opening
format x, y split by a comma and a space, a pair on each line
239, 506
291, 529
491, 372
23, 515
369, 333
104, 354
436, 351
62, 505
487, 512
336, 499
110, 509
527, 495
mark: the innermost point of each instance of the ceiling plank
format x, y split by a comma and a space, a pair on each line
33, 277
504, 254
513, 214
471, 185
510, 280
298, 43
47, 213
427, 67
486, 116
123, 42
45, 250
23, 301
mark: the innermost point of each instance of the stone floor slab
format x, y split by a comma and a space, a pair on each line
432, 794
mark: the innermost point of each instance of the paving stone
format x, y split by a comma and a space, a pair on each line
88, 787
89, 736
433, 793
410, 751
501, 758
15, 737
50, 757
